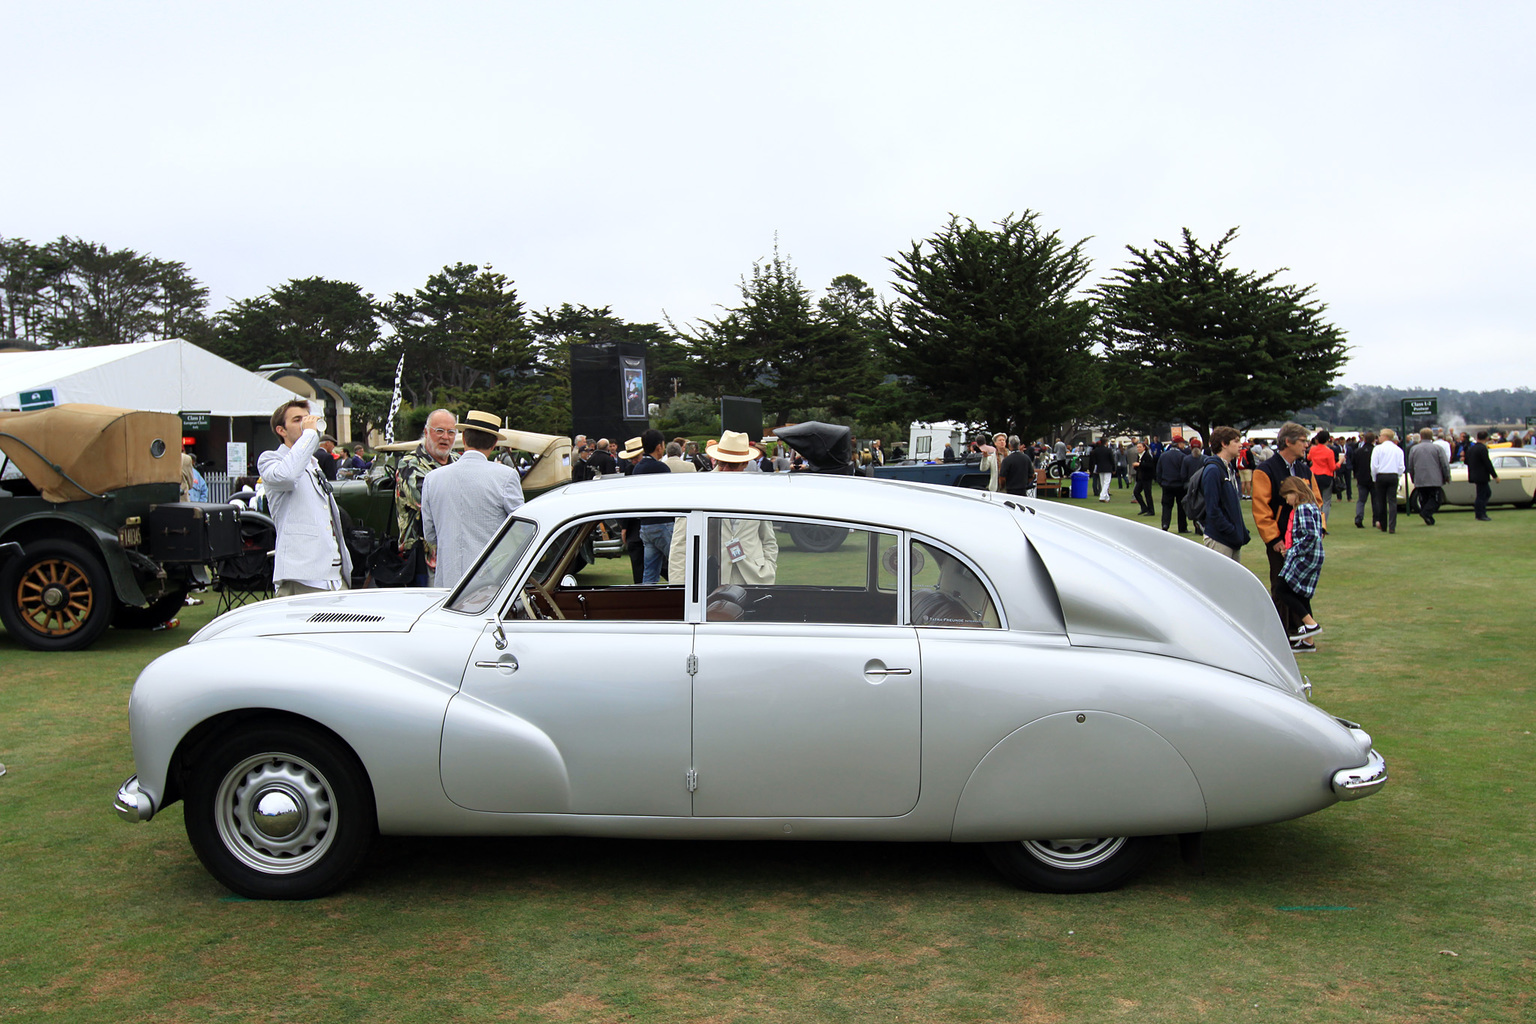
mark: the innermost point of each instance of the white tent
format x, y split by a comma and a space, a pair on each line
159, 376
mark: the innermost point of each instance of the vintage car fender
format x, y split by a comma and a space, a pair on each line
125, 582
1164, 745
1083, 773
389, 714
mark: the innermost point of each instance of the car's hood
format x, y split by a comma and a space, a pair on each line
353, 611
1170, 596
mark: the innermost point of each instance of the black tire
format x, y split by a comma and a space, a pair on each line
1056, 471
160, 610
1072, 865
305, 782
817, 539
56, 596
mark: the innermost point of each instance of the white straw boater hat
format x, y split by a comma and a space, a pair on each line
733, 446
632, 449
477, 420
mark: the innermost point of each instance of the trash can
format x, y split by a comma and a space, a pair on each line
1079, 484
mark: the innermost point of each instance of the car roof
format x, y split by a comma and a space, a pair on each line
936, 511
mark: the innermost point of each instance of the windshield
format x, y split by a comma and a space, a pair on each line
479, 589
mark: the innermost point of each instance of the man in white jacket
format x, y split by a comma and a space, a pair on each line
311, 557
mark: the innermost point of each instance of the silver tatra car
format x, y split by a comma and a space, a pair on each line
1058, 685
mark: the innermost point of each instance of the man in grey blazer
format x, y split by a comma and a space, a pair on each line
1430, 470
464, 503
311, 557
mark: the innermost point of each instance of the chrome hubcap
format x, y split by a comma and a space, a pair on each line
1073, 854
274, 813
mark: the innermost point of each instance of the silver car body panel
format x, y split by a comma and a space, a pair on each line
475, 724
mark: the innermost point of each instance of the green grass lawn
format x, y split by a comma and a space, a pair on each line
1418, 904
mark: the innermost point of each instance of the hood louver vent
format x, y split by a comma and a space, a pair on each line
344, 617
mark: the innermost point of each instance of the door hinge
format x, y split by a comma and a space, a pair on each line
693, 779
693, 664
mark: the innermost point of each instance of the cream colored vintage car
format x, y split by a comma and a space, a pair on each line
1056, 685
1516, 484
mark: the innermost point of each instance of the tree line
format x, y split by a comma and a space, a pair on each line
990, 325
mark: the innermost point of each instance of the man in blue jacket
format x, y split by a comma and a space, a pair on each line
1171, 477
1225, 531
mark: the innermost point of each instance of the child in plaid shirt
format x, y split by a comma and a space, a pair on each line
1303, 559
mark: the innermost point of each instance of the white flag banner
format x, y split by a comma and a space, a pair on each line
394, 404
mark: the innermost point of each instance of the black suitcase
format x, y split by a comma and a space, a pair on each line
193, 531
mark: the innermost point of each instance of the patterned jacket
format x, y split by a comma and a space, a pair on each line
409, 474
1304, 558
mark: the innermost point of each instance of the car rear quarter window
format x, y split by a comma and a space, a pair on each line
947, 592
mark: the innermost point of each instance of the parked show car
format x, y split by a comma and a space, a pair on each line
1516, 484
89, 493
1058, 685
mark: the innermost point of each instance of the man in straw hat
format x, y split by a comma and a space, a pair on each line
747, 550
464, 503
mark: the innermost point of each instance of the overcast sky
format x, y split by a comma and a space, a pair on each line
642, 154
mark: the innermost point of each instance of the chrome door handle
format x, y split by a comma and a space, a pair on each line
887, 671
506, 661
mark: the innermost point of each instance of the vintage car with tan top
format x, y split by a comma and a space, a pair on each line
89, 494
1056, 685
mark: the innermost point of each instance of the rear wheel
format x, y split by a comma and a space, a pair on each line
279, 811
816, 538
162, 609
1072, 865
56, 596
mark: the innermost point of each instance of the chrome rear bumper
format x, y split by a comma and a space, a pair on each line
132, 804
1354, 783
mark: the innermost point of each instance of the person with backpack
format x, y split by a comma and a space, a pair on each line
1214, 497
1245, 466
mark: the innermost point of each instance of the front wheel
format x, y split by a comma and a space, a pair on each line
279, 812
1072, 865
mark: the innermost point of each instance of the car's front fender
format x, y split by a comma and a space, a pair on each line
389, 714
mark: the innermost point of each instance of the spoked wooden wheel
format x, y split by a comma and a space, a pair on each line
56, 597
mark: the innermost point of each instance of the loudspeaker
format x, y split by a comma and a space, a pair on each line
608, 390
743, 414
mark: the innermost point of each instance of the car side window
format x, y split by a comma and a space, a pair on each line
945, 591
475, 594
585, 573
760, 570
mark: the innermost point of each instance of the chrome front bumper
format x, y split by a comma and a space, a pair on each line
131, 804
1354, 783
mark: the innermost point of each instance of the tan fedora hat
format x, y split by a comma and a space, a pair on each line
477, 420
733, 446
632, 449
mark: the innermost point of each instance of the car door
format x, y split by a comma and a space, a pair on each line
1510, 486
807, 689
561, 714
